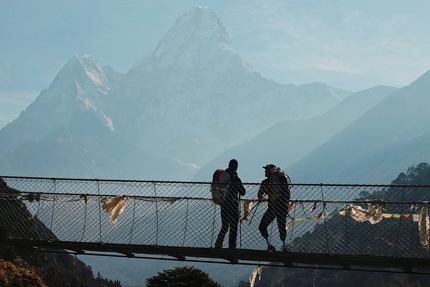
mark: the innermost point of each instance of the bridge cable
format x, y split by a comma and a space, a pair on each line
293, 227
132, 222
38, 208
346, 229
85, 218
156, 213
213, 225
53, 203
100, 211
240, 225
325, 221
186, 224
411, 231
400, 222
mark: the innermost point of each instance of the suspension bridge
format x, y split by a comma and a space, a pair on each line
333, 226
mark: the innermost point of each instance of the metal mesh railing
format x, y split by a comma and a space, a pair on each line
384, 220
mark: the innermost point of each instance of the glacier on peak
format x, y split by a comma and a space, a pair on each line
95, 72
198, 39
190, 100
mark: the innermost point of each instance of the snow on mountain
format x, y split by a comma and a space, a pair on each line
206, 97
188, 101
79, 86
84, 147
197, 39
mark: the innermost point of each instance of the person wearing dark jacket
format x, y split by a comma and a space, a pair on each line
230, 207
278, 198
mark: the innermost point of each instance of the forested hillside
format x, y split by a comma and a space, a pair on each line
33, 268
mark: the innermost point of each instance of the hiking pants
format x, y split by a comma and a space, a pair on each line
229, 219
277, 209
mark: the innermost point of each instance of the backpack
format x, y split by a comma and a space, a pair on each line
219, 185
280, 182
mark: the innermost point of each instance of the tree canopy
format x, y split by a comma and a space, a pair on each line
181, 276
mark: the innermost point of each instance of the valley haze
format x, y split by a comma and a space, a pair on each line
189, 100
349, 45
195, 101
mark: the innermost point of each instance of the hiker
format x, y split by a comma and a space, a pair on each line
276, 187
230, 207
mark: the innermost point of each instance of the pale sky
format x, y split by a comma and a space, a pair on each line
353, 45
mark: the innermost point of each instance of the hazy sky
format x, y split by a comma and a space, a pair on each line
352, 45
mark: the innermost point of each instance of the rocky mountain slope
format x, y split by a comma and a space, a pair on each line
26, 267
188, 101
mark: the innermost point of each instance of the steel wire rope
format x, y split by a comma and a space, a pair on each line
38, 208
85, 217
132, 222
412, 228
400, 224
292, 226
100, 210
272, 223
324, 217
53, 204
156, 213
325, 194
186, 224
20, 227
11, 214
346, 228
213, 225
271, 228
240, 225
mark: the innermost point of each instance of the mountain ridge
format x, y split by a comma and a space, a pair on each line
196, 98
287, 142
400, 118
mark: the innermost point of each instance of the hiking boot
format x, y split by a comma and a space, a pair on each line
271, 248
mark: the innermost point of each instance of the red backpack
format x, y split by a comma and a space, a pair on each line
219, 185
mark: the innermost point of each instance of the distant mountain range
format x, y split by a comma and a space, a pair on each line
368, 138
175, 110
386, 140
195, 103
287, 142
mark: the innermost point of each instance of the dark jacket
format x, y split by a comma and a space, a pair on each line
236, 186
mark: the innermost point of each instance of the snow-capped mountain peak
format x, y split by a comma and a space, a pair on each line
95, 72
188, 101
198, 38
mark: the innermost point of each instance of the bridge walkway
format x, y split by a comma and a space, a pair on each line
334, 226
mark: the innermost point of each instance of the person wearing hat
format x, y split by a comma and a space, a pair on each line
278, 197
230, 207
